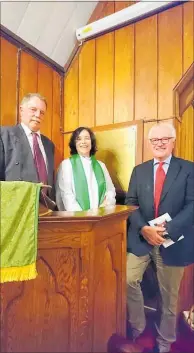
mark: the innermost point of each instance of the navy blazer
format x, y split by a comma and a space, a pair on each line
177, 199
16, 158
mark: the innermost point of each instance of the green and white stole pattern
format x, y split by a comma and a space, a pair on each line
80, 181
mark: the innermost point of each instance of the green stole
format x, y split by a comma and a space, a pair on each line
80, 181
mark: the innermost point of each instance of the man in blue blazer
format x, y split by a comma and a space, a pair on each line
173, 187
17, 151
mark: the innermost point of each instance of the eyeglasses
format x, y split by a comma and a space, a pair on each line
164, 140
34, 110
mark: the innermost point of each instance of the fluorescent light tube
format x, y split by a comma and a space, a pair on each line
125, 16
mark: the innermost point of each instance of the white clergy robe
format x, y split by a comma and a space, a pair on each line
65, 188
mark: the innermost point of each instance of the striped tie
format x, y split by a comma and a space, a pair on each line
39, 160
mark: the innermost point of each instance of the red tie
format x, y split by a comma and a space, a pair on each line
159, 182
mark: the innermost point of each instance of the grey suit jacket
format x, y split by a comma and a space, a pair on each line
16, 159
177, 199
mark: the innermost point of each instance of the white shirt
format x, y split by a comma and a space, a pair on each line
65, 188
28, 133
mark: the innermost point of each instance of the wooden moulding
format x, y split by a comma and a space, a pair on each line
183, 93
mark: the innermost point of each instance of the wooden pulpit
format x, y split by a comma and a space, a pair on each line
78, 299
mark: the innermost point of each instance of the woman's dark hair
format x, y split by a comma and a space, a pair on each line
74, 137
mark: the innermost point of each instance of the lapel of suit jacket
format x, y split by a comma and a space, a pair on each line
148, 178
20, 136
48, 153
25, 152
173, 171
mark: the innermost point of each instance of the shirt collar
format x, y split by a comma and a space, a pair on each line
85, 158
166, 161
27, 131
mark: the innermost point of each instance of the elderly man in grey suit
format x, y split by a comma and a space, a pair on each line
25, 154
162, 185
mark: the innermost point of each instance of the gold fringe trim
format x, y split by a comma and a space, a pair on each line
45, 213
23, 273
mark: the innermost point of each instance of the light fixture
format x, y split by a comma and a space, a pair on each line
128, 15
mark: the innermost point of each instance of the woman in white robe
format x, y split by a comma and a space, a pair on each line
82, 182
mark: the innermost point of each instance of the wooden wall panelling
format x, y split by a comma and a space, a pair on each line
188, 34
8, 84
28, 74
104, 79
66, 145
98, 11
120, 5
87, 84
109, 9
45, 88
71, 95
57, 136
146, 69
146, 151
124, 75
105, 73
170, 58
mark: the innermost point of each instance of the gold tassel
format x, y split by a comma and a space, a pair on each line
23, 273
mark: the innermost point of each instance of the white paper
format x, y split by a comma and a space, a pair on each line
160, 220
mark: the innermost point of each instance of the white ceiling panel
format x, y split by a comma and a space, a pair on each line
60, 16
49, 26
78, 18
34, 20
12, 14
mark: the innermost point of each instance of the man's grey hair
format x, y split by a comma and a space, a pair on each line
28, 96
168, 126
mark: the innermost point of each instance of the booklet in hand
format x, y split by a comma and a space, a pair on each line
160, 221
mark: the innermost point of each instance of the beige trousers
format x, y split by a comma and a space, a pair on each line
169, 278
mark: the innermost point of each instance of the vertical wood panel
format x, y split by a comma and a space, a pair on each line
104, 79
8, 84
71, 98
170, 58
66, 145
188, 36
45, 88
57, 136
87, 85
146, 69
146, 150
120, 5
124, 74
104, 73
108, 9
28, 74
